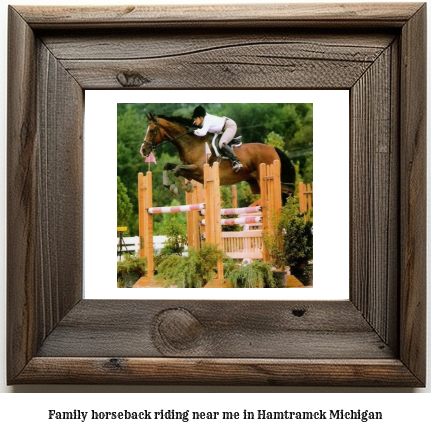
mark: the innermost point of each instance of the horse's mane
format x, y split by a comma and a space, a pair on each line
183, 121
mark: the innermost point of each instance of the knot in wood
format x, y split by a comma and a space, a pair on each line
298, 312
131, 79
178, 329
115, 363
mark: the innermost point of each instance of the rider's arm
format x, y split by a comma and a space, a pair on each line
205, 126
211, 124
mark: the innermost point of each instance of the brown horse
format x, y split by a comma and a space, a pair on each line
191, 149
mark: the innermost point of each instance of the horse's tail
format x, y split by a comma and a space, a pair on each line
287, 174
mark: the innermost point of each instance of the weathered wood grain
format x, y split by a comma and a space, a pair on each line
59, 188
323, 45
226, 329
193, 60
208, 72
255, 15
21, 198
217, 371
375, 338
413, 194
45, 189
374, 183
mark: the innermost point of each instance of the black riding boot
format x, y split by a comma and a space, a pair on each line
227, 151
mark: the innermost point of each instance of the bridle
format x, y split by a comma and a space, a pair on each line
154, 135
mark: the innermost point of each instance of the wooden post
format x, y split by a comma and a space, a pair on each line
310, 197
200, 197
193, 217
145, 201
265, 210
209, 213
305, 197
301, 197
213, 216
217, 218
277, 188
276, 202
270, 194
234, 196
141, 187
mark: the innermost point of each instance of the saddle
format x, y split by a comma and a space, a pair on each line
235, 142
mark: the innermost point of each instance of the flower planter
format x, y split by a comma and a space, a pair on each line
280, 278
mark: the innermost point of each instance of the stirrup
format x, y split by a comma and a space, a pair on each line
237, 165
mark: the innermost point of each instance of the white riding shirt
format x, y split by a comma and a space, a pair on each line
211, 124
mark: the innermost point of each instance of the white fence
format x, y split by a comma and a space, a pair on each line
131, 244
243, 244
236, 244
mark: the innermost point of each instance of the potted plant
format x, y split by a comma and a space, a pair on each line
194, 270
275, 249
300, 264
130, 270
255, 274
291, 246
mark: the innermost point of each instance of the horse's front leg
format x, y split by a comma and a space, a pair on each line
185, 170
166, 183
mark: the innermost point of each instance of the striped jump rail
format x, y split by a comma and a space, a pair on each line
176, 209
239, 221
238, 211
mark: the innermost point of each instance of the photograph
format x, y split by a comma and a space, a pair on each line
225, 199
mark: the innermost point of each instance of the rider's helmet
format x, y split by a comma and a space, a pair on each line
199, 112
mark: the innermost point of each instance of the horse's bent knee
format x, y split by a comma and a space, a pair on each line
173, 189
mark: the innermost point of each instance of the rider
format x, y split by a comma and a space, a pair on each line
214, 124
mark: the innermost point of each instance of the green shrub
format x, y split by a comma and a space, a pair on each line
192, 271
257, 274
124, 206
292, 242
297, 234
176, 232
130, 270
167, 268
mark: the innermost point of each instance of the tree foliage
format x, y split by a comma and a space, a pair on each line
124, 206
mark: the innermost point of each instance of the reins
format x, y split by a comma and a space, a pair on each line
154, 131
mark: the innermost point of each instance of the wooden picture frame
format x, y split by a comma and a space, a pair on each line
376, 338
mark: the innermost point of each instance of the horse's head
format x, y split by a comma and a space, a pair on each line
162, 129
153, 137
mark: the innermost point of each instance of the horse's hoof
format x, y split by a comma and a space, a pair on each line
189, 187
173, 190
